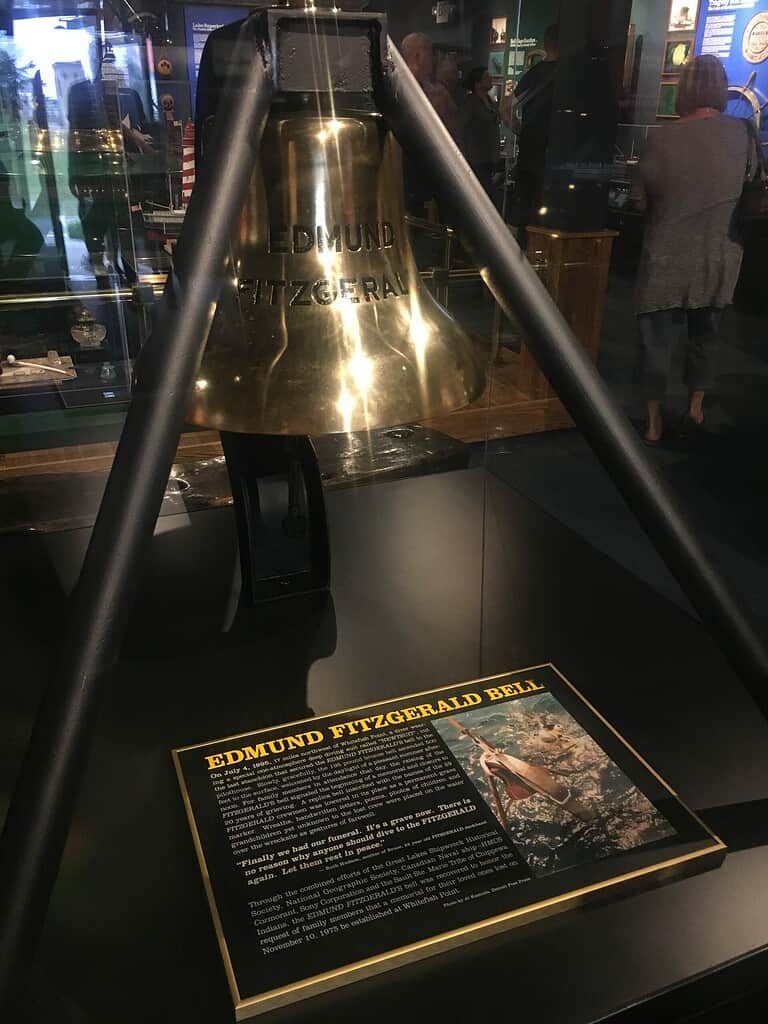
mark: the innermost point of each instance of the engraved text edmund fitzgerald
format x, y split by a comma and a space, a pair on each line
324, 241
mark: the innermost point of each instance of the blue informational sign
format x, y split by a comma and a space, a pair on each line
199, 22
736, 31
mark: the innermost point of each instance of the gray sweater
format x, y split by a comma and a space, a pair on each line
690, 177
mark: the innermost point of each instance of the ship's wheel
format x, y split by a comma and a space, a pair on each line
747, 102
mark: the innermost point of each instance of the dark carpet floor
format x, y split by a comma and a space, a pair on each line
720, 477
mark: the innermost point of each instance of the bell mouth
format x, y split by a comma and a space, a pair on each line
318, 386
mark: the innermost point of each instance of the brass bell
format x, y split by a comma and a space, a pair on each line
323, 323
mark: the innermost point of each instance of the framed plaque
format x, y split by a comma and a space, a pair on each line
342, 846
667, 99
676, 54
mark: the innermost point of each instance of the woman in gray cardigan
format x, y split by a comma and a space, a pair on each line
689, 180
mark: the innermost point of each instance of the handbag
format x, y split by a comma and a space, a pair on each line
753, 203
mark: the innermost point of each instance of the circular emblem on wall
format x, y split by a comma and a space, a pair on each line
755, 41
164, 67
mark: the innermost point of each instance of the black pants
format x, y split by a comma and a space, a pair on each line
98, 218
659, 332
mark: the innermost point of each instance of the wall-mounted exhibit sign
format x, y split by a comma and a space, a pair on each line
736, 31
343, 846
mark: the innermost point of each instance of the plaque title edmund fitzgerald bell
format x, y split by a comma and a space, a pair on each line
366, 724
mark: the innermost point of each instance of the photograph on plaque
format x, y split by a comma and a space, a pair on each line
345, 845
554, 791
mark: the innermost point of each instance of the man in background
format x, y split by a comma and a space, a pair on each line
416, 49
529, 113
448, 77
97, 175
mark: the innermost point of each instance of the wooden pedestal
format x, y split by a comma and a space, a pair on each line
576, 276
518, 398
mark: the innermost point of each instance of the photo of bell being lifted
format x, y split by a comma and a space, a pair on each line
555, 792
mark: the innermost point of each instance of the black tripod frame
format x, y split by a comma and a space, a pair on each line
271, 54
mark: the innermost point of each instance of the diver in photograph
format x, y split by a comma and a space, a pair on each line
519, 780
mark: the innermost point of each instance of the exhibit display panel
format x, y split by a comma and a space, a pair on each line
380, 835
300, 581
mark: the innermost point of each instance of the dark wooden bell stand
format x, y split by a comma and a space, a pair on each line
518, 398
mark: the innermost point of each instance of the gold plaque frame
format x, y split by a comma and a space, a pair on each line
665, 869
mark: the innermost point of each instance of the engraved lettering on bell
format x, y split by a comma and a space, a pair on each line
324, 324
298, 238
253, 292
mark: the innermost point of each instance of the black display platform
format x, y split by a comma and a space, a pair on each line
423, 597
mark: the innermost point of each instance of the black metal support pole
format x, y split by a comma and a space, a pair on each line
563, 359
39, 816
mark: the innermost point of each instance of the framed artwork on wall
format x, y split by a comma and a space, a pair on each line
498, 31
682, 15
677, 53
667, 97
496, 64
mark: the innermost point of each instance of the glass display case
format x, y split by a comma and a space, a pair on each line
82, 156
97, 164
377, 493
